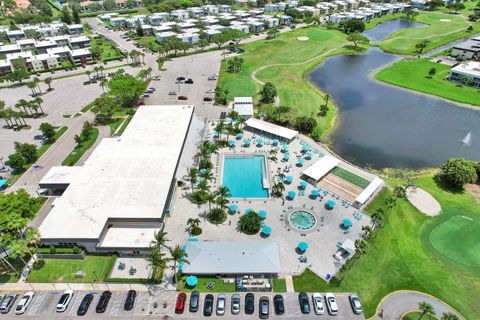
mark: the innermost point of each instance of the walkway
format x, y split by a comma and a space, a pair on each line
397, 303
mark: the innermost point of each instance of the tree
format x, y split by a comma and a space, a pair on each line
48, 82
456, 6
449, 316
458, 172
20, 71
361, 247
220, 40
193, 175
410, 15
109, 5
88, 75
399, 192
139, 30
178, 255
65, 16
104, 107
305, 124
32, 237
202, 43
216, 216
250, 223
75, 14
268, 93
221, 95
156, 260
16, 162
278, 189
48, 132
368, 231
273, 33
193, 226
426, 309
127, 89
432, 72
352, 25
27, 150
421, 46
357, 38
433, 4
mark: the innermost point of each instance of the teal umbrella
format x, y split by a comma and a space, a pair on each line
260, 141
266, 230
275, 142
192, 281
246, 142
309, 155
315, 193
216, 134
330, 204
303, 184
239, 136
233, 207
203, 171
347, 223
288, 179
305, 147
232, 143
291, 194
284, 148
262, 214
286, 156
302, 246
300, 162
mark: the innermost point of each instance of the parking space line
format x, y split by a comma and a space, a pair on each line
36, 303
73, 305
116, 304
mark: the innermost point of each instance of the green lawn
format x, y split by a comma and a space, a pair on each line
439, 24
413, 74
350, 177
63, 270
202, 285
402, 257
415, 315
149, 42
294, 90
109, 51
78, 151
279, 285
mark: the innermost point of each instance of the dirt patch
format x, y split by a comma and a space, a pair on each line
303, 38
474, 191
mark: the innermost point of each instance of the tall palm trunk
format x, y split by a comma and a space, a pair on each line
5, 261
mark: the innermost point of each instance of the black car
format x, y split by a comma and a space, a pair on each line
304, 304
189, 81
180, 78
103, 302
263, 308
249, 303
194, 300
130, 301
278, 304
207, 98
208, 305
84, 305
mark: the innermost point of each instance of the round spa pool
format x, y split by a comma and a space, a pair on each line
302, 220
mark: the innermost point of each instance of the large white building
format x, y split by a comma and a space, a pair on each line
117, 199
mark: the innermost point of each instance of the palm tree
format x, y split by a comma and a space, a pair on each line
426, 308
378, 216
38, 101
192, 223
178, 255
210, 197
88, 74
219, 128
157, 261
222, 197
22, 104
103, 83
101, 68
31, 85
159, 240
368, 231
33, 238
149, 72
48, 82
361, 246
193, 175
399, 192
37, 83
207, 175
326, 97
449, 316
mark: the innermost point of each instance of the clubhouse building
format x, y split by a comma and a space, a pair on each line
117, 199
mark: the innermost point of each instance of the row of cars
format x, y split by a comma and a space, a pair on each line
7, 302
263, 304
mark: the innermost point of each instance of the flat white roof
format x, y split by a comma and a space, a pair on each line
60, 175
232, 257
242, 100
271, 128
125, 178
320, 168
128, 237
244, 109
469, 68
369, 190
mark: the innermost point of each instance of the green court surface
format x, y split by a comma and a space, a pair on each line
350, 177
458, 239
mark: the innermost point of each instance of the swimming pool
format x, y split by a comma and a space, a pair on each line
302, 220
244, 176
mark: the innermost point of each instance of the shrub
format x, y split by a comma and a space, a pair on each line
198, 197
216, 216
53, 249
38, 264
76, 250
196, 231
250, 223
205, 164
130, 111
457, 172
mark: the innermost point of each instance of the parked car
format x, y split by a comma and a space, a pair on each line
235, 304
331, 304
156, 78
179, 81
278, 304
263, 308
212, 78
152, 89
221, 304
194, 301
8, 302
85, 304
103, 302
172, 93
189, 81
146, 95
2, 296
24, 302
130, 300
182, 98
180, 305
180, 78
249, 303
317, 302
64, 300
208, 305
207, 98
210, 91
356, 305
304, 304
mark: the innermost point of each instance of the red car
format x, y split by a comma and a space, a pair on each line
182, 98
180, 306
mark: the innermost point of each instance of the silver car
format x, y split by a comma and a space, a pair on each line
8, 302
236, 303
221, 303
318, 303
355, 302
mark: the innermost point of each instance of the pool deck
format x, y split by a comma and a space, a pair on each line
322, 240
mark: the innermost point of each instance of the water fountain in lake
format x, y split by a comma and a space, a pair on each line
468, 139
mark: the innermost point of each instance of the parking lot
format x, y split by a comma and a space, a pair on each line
44, 303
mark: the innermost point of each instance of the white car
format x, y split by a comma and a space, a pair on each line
64, 300
221, 304
331, 304
318, 303
24, 302
172, 93
210, 91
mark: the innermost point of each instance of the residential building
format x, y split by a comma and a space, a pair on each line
469, 49
467, 73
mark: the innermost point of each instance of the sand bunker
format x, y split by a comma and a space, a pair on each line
445, 20
423, 201
303, 38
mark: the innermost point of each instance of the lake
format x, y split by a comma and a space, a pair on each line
384, 126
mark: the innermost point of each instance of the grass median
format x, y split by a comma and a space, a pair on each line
414, 74
80, 149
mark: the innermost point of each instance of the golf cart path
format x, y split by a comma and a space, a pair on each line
424, 202
394, 305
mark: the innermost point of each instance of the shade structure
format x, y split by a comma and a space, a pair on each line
288, 179
315, 193
309, 155
239, 136
291, 194
284, 148
246, 142
266, 230
262, 214
248, 210
330, 203
233, 207
275, 142
192, 281
286, 156
305, 147
260, 141
302, 246
303, 185
347, 223
232, 143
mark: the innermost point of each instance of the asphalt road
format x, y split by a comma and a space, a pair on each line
146, 305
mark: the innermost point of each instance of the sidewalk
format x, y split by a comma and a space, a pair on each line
83, 287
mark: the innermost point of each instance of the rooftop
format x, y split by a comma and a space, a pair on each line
271, 128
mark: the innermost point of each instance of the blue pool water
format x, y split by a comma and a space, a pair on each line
243, 176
